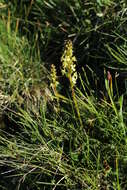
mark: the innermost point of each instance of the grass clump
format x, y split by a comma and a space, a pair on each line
20, 73
52, 151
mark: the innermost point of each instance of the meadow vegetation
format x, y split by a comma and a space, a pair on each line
63, 95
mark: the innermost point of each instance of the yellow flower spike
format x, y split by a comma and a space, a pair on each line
68, 63
54, 82
69, 70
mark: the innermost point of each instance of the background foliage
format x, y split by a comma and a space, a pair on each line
43, 143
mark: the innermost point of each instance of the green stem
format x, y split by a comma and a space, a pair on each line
75, 102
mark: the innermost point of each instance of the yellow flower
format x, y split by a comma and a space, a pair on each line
54, 82
68, 63
74, 78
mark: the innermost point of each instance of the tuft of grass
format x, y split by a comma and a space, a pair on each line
50, 151
21, 75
